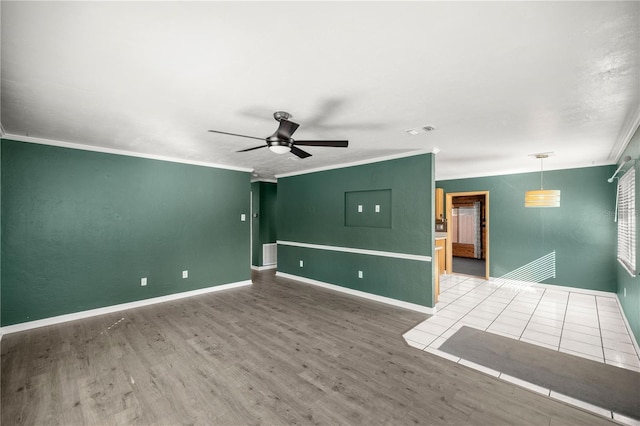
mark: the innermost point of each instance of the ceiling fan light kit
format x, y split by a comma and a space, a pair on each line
542, 197
281, 141
279, 148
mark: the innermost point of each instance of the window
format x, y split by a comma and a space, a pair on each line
627, 221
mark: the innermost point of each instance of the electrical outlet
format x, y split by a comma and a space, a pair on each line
377, 208
360, 274
301, 264
143, 281
359, 208
185, 274
243, 217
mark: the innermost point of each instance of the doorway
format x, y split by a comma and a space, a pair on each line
467, 216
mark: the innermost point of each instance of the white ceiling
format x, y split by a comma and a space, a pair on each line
499, 81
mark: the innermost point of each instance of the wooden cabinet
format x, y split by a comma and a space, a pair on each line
441, 247
439, 204
437, 255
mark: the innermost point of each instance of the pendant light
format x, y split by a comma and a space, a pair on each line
542, 197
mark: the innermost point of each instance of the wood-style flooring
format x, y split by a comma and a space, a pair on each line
276, 353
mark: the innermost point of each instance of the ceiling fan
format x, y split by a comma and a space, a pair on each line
281, 141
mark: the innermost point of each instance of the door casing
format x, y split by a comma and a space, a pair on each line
449, 216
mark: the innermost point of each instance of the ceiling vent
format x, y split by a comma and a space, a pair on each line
422, 129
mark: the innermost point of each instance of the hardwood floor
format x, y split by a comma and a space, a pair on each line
278, 352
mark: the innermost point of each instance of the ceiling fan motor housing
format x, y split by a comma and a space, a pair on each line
281, 115
276, 141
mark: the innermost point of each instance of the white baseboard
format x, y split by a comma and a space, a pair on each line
116, 308
263, 268
383, 299
600, 293
626, 322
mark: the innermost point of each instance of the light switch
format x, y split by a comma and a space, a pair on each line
360, 275
359, 208
301, 264
377, 208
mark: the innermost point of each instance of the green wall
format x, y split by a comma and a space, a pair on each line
268, 213
264, 196
80, 228
581, 230
256, 247
311, 209
631, 302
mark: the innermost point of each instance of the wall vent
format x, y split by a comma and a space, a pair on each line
269, 254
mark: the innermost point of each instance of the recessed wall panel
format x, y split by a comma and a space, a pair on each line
370, 209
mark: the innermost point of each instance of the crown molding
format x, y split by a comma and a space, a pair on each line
264, 180
622, 143
517, 171
103, 150
357, 163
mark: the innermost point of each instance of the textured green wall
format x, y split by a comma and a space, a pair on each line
399, 279
268, 213
80, 228
581, 230
631, 303
264, 225
311, 209
256, 247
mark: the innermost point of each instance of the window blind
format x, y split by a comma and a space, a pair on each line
627, 221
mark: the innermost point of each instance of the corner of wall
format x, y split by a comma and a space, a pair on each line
315, 241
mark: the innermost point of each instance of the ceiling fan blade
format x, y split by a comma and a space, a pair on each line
335, 144
286, 129
251, 149
235, 134
300, 153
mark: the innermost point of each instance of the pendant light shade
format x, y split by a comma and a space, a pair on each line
542, 197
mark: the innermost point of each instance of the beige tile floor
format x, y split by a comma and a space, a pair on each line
574, 321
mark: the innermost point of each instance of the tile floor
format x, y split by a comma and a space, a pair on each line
575, 321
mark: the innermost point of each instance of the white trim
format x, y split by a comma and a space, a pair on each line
2, 131
622, 143
263, 268
600, 293
104, 150
116, 308
357, 251
629, 329
364, 295
356, 163
264, 180
517, 171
